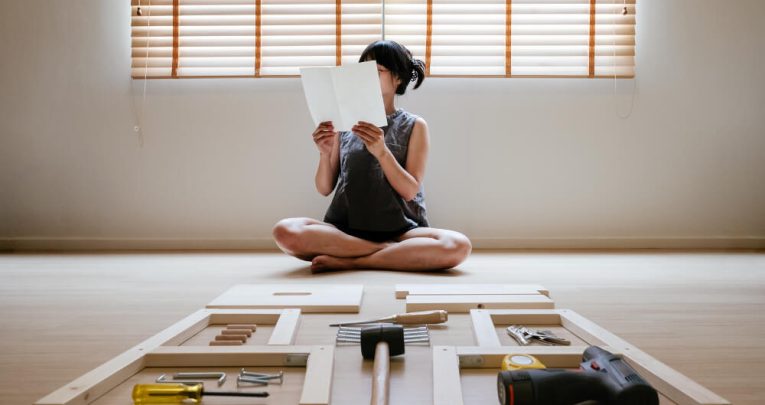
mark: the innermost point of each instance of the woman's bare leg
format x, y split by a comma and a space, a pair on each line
418, 249
306, 238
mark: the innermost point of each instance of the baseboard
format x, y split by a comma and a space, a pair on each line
21, 244
124, 244
621, 243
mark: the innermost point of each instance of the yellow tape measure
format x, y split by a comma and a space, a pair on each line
520, 362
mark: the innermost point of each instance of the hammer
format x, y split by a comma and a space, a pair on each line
379, 342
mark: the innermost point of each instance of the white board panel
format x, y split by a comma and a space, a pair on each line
403, 290
307, 297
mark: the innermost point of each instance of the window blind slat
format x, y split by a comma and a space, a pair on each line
282, 20
361, 25
457, 37
472, 21
406, 23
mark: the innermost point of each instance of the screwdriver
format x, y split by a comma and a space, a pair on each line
409, 318
178, 393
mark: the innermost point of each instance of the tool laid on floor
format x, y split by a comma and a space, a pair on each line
179, 393
525, 336
521, 362
217, 375
409, 318
380, 342
603, 377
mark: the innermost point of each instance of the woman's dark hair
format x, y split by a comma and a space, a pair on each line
396, 58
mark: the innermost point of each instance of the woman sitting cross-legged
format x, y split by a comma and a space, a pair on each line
377, 217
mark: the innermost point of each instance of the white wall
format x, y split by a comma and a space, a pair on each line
515, 162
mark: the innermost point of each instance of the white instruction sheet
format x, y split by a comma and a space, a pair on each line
344, 95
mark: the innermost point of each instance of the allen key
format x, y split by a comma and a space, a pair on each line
220, 376
163, 380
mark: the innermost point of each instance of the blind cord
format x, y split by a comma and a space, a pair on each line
136, 117
383, 20
613, 65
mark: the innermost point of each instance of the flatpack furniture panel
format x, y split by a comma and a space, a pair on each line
403, 290
669, 382
307, 297
461, 298
464, 303
94, 384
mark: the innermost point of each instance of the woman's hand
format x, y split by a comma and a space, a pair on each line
324, 137
373, 138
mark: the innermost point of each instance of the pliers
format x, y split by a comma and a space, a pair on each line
524, 336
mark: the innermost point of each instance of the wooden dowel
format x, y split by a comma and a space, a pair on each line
251, 327
241, 338
241, 332
226, 343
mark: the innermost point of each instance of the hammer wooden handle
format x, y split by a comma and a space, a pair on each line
381, 375
421, 318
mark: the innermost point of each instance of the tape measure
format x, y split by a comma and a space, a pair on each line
520, 362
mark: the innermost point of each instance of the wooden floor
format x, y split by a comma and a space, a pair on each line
701, 313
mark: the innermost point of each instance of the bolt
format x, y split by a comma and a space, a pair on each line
263, 377
250, 380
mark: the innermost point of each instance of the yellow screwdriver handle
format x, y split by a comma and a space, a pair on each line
166, 393
421, 318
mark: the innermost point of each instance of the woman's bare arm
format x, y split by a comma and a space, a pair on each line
406, 181
328, 142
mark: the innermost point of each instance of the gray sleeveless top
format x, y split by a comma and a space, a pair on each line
364, 199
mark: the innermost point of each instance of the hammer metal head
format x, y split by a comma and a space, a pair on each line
393, 335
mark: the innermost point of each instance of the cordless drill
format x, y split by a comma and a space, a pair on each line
603, 377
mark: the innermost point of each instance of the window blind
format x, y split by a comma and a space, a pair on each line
492, 38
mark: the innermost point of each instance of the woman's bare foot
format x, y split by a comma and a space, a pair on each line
326, 263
